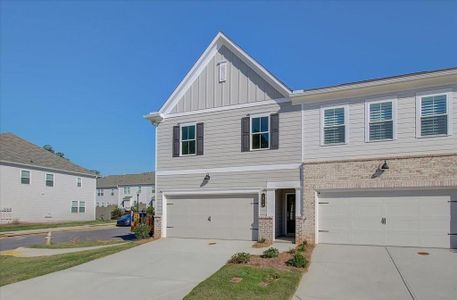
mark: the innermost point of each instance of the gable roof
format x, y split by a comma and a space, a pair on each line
147, 178
16, 150
220, 40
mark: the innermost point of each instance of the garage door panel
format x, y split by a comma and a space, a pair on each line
412, 218
221, 217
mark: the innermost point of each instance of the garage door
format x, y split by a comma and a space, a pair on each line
221, 217
403, 218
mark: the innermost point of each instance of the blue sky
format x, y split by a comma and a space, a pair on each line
80, 75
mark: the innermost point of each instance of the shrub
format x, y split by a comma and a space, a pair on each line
116, 213
271, 252
150, 210
298, 261
142, 231
240, 258
302, 246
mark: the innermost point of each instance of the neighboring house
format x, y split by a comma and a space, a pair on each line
241, 156
124, 190
39, 186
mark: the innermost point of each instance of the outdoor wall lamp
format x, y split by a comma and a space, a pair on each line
262, 200
207, 177
385, 166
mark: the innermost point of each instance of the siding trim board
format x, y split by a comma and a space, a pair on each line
230, 169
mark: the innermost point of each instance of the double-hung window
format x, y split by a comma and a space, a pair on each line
79, 207
49, 179
82, 206
78, 182
25, 177
74, 207
433, 115
260, 132
380, 120
188, 140
334, 127
126, 190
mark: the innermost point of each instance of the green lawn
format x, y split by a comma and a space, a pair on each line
76, 244
14, 269
17, 227
256, 283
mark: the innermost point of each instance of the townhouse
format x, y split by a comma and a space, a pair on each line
241, 156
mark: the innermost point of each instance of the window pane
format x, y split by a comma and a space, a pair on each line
434, 105
191, 147
381, 131
191, 132
185, 147
334, 117
255, 125
184, 133
256, 141
264, 140
334, 135
380, 112
49, 177
434, 125
264, 124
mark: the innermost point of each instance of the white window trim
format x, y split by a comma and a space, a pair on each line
53, 180
367, 119
219, 66
346, 124
449, 112
30, 176
254, 116
180, 138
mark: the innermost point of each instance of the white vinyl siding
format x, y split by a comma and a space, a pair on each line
380, 120
187, 141
260, 132
433, 115
334, 125
25, 177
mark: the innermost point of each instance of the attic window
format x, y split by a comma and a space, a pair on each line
222, 71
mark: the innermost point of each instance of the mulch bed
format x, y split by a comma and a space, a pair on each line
280, 262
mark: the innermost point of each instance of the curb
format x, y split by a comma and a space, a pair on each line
56, 229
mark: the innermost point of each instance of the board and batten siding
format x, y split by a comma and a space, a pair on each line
222, 140
405, 143
242, 85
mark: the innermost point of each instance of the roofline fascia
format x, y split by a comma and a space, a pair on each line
375, 87
6, 162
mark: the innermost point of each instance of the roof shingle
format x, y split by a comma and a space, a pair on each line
147, 178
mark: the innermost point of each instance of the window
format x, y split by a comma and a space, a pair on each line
25, 177
260, 132
112, 192
126, 190
100, 192
380, 121
188, 139
139, 189
78, 182
98, 203
334, 125
82, 206
433, 115
49, 179
222, 71
74, 207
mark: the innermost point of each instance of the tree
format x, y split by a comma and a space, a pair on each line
95, 172
48, 148
61, 154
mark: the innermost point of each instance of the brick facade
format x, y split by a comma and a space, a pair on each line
266, 228
404, 172
157, 226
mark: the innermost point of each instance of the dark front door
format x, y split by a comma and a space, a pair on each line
290, 213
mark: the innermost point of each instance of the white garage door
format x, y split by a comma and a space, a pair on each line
403, 218
218, 217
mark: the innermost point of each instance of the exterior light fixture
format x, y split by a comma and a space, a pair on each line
262, 200
207, 177
385, 166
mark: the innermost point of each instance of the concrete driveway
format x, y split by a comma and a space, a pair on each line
164, 269
369, 272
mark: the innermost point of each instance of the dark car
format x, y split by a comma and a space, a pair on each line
125, 220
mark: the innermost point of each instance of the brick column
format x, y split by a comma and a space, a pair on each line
266, 228
157, 227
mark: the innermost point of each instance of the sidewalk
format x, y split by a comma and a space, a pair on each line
33, 252
54, 229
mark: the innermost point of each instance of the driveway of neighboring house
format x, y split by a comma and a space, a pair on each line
370, 272
163, 269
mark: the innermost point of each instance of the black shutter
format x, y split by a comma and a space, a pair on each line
245, 132
200, 140
274, 131
175, 141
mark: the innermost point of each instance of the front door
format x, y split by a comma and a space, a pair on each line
290, 214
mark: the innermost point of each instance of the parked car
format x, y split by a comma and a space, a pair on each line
125, 220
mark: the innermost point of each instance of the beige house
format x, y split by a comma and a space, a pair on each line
125, 190
239, 155
39, 186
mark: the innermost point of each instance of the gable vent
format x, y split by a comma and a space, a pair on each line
222, 71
